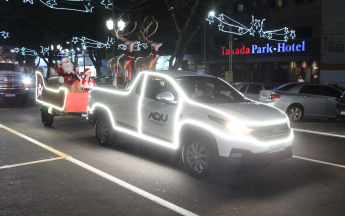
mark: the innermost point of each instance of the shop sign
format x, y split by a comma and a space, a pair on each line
255, 49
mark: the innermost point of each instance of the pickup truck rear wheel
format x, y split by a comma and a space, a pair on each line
47, 119
105, 134
197, 157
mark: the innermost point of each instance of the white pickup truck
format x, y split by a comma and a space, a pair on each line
200, 115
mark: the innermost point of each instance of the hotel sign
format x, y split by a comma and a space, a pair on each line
268, 48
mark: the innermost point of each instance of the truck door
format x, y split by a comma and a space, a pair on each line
158, 117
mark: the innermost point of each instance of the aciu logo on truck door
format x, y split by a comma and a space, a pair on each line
158, 118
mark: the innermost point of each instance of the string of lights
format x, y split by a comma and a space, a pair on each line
86, 42
4, 34
228, 25
137, 47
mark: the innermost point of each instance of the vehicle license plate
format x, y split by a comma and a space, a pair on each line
276, 148
263, 96
342, 113
10, 95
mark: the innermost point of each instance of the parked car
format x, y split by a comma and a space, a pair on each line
303, 99
340, 108
14, 85
251, 90
200, 115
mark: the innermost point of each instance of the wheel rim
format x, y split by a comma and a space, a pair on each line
295, 113
197, 157
102, 131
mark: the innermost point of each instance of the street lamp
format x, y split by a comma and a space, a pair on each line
110, 24
211, 13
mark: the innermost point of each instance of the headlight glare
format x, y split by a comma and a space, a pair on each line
239, 128
26, 81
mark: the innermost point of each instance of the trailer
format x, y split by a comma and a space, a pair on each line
58, 99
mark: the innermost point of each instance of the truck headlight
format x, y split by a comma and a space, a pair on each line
26, 81
238, 128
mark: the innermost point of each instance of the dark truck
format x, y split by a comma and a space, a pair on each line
14, 85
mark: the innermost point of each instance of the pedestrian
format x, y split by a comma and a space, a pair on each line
300, 79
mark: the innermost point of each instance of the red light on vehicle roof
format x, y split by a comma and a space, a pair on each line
274, 96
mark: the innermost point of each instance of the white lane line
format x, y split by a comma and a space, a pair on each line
319, 133
133, 188
317, 161
120, 182
32, 162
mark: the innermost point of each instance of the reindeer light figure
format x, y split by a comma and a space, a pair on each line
122, 64
149, 61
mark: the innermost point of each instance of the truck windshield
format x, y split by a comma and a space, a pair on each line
209, 90
8, 67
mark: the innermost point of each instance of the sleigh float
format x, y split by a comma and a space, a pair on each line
58, 99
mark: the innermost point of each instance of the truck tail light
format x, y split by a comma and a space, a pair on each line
274, 96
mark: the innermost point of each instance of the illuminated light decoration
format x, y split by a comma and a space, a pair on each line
39, 93
179, 125
107, 3
4, 34
30, 1
228, 25
86, 42
52, 3
44, 50
25, 51
137, 47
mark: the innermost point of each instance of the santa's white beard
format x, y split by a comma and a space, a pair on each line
68, 68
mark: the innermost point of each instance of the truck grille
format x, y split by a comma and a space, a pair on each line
271, 132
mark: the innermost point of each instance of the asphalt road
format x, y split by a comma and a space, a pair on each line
62, 170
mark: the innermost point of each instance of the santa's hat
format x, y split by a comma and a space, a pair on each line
87, 70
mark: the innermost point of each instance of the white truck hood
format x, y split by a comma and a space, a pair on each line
250, 112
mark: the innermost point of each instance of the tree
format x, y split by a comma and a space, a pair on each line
96, 60
197, 13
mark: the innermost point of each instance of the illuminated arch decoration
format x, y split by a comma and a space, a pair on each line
228, 25
137, 47
86, 42
5, 34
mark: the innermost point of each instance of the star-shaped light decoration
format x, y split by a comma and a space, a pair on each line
240, 30
107, 3
221, 16
74, 40
30, 1
51, 3
286, 38
251, 31
145, 46
269, 36
293, 34
4, 34
286, 30
83, 44
88, 8
83, 38
210, 19
107, 46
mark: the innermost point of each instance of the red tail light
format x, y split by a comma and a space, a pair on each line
274, 96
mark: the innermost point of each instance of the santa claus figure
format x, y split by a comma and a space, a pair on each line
65, 67
87, 82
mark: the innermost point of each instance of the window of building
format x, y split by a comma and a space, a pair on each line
239, 8
304, 32
303, 1
278, 3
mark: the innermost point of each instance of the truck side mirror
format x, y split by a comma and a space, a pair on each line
165, 96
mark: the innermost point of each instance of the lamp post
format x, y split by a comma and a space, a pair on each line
211, 14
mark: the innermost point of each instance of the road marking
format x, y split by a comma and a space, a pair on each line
320, 133
317, 161
111, 178
61, 154
133, 188
32, 162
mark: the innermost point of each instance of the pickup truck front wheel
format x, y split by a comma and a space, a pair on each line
197, 157
105, 134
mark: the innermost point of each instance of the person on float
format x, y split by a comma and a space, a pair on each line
87, 82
